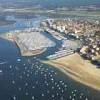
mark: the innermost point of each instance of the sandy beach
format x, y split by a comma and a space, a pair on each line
78, 69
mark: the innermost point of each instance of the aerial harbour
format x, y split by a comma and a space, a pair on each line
33, 41
74, 37
49, 50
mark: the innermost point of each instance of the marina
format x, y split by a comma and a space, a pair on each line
32, 41
57, 35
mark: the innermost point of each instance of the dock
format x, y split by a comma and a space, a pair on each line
55, 34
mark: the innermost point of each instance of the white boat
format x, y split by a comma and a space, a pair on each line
1, 71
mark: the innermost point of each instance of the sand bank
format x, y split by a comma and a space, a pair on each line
78, 69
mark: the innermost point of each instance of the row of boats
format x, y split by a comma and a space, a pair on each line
60, 54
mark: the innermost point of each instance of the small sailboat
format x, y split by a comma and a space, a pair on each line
0, 71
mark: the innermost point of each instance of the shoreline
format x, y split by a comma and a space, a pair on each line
83, 72
6, 37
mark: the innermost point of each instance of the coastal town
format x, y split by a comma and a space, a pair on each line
72, 46
87, 31
78, 36
81, 62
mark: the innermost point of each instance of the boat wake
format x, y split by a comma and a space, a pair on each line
1, 63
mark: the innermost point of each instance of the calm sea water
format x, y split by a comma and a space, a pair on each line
26, 78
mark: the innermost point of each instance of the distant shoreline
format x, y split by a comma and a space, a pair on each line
6, 22
58, 12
